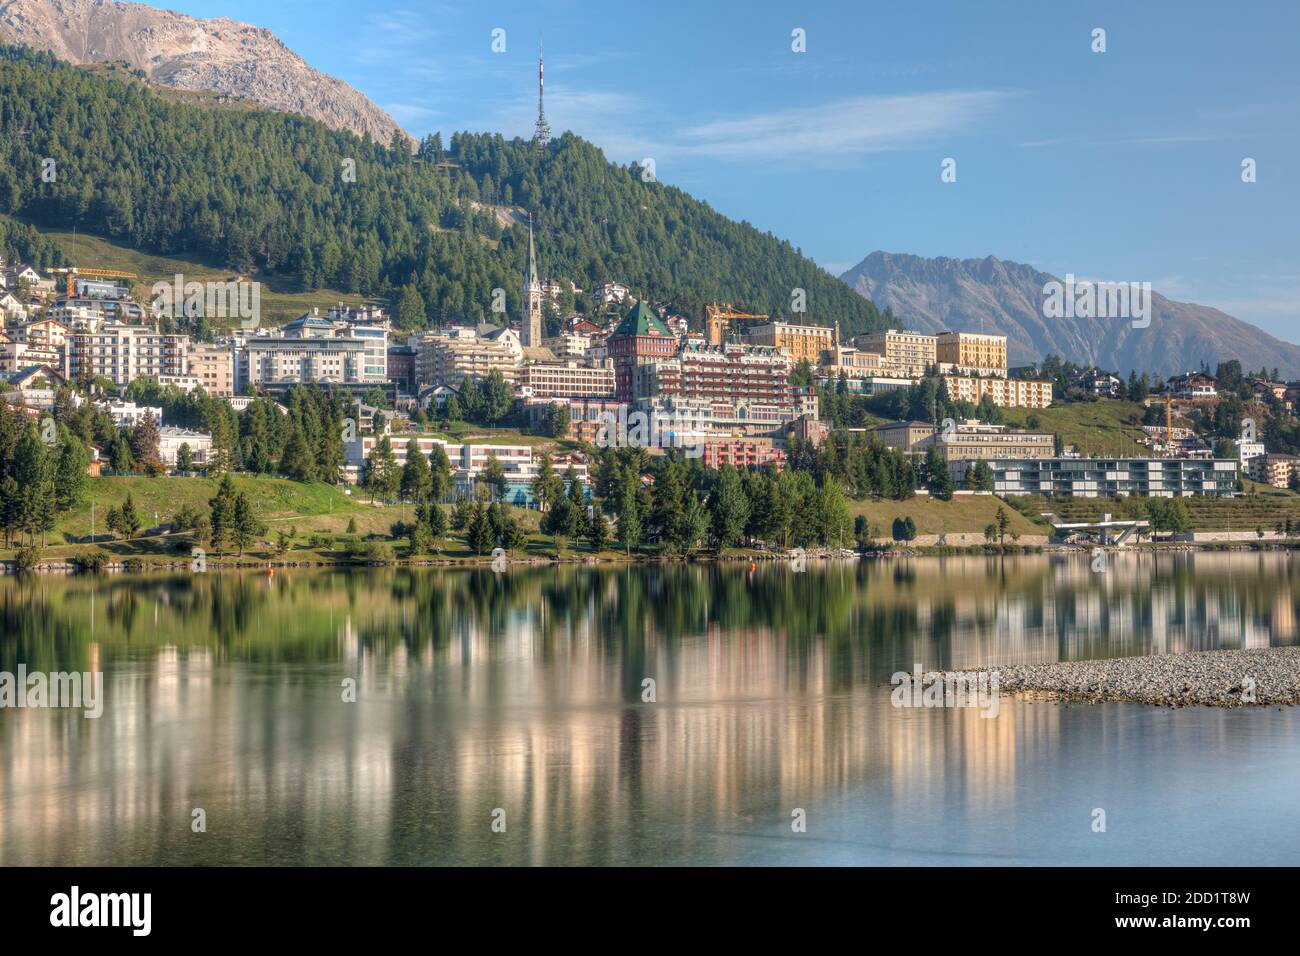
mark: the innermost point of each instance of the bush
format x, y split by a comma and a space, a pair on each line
95, 560
373, 552
27, 559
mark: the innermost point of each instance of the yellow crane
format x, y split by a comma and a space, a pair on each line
717, 318
73, 272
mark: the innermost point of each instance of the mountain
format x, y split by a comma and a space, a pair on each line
219, 55
934, 295
264, 193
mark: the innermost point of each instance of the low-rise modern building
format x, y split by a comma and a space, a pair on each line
129, 414
904, 435
467, 462
969, 441
171, 439
1111, 477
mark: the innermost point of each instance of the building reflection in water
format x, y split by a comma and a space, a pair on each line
524, 693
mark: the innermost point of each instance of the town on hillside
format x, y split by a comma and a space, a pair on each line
152, 383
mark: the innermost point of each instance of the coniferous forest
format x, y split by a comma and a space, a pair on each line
437, 230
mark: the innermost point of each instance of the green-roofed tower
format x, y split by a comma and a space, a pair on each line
640, 337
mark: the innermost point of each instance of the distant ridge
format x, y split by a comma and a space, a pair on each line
934, 295
220, 55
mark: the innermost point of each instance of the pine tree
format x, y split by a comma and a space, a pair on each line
221, 513
128, 518
145, 439
244, 524
297, 461
70, 478
416, 480
693, 526
598, 532
494, 477
439, 474
629, 512
547, 487
479, 537
730, 508
382, 477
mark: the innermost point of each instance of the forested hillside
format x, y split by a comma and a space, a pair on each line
263, 192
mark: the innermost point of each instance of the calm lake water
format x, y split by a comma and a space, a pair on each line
522, 693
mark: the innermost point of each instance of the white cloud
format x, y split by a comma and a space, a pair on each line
848, 127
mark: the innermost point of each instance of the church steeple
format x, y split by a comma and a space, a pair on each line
530, 328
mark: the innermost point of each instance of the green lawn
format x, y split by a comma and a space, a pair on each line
1244, 513
1107, 428
968, 513
279, 502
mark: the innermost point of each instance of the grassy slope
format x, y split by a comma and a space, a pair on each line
280, 300
279, 502
1244, 513
970, 513
1100, 428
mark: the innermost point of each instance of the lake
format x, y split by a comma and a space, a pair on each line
436, 716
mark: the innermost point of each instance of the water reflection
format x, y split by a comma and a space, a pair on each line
523, 692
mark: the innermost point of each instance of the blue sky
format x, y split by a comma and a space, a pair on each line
1122, 165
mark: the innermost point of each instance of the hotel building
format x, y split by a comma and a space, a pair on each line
1004, 392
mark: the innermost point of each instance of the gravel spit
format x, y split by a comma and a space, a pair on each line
1236, 678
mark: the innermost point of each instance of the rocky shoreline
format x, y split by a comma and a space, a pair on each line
1227, 678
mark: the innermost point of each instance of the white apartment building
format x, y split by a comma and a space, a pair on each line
972, 353
566, 380
906, 353
448, 359
121, 353
1004, 392
129, 414
214, 368
272, 361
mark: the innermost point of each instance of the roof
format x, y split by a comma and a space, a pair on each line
32, 371
641, 320
905, 424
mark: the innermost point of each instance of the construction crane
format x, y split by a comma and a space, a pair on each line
73, 272
717, 318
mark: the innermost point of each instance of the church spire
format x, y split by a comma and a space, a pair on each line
532, 276
530, 327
